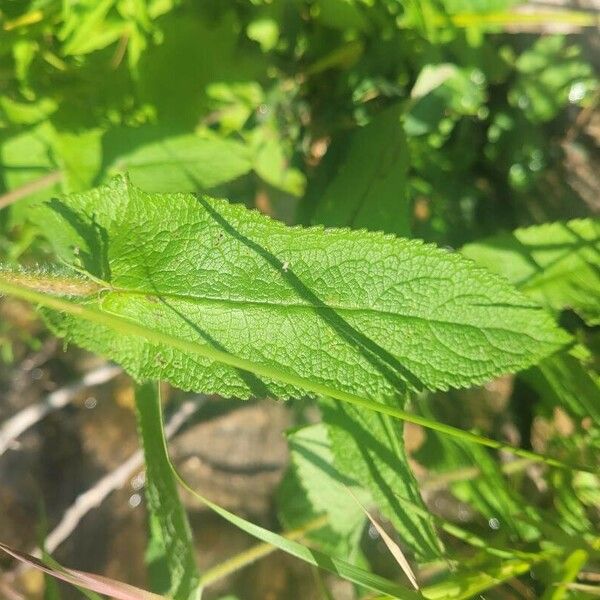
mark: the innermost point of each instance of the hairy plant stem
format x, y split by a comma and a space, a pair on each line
129, 327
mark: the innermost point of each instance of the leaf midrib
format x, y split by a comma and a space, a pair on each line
291, 306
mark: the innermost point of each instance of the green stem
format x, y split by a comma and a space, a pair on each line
243, 559
443, 480
503, 19
158, 337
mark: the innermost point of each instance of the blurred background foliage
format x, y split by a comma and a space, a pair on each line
447, 120
264, 102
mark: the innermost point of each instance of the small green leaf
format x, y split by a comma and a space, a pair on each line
430, 78
176, 163
556, 264
296, 502
168, 521
265, 32
563, 380
324, 485
368, 448
365, 174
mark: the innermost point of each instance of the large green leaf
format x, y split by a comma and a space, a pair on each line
169, 527
362, 312
26, 285
557, 264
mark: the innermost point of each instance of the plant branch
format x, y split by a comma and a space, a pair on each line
29, 188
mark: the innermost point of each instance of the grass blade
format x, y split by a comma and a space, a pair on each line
390, 543
170, 530
559, 588
96, 583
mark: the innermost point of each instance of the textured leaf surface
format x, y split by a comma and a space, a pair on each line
557, 264
362, 312
295, 509
168, 521
362, 181
325, 486
313, 486
368, 447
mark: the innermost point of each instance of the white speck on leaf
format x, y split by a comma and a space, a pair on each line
135, 500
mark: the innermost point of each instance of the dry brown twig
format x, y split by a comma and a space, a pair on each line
29, 188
